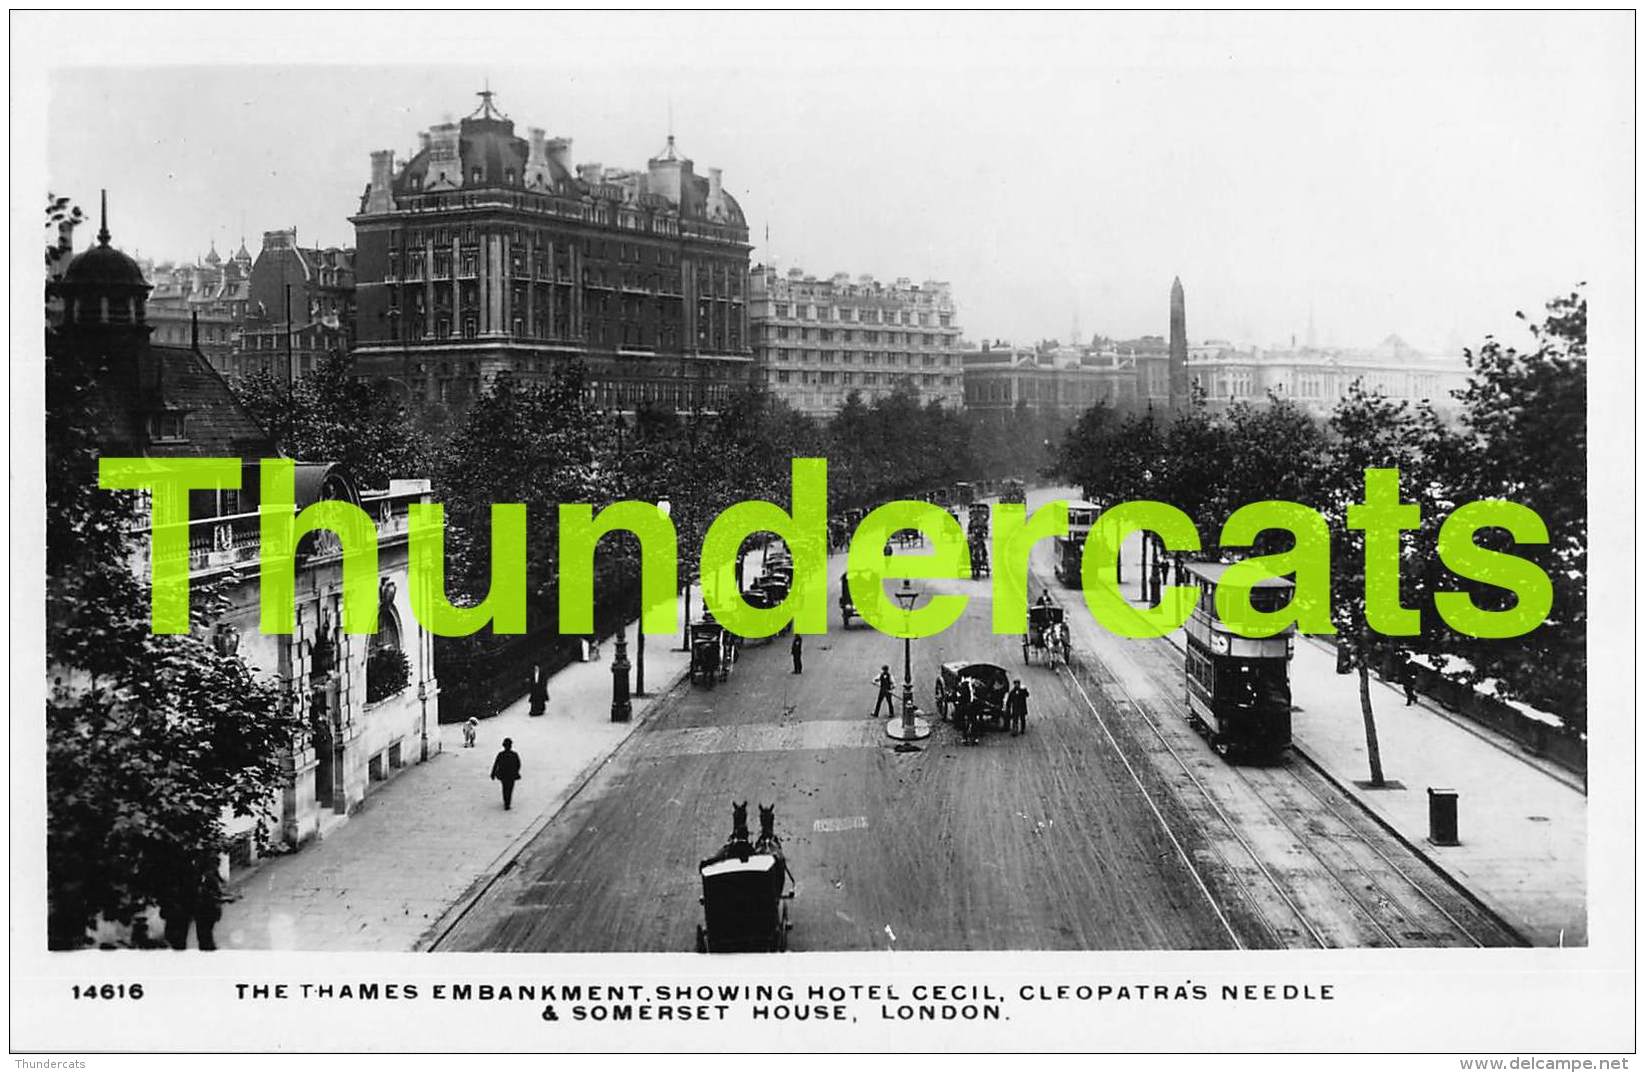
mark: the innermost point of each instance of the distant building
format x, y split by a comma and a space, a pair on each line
1060, 380
301, 307
202, 304
818, 340
487, 253
1318, 378
369, 714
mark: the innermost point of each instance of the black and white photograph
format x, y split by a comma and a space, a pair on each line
915, 530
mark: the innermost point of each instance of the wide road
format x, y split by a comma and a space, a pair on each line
1106, 826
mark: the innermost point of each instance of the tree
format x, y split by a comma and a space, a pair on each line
1371, 432
330, 415
62, 217
1524, 438
540, 445
149, 739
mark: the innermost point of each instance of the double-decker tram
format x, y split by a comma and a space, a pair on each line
1239, 688
1082, 516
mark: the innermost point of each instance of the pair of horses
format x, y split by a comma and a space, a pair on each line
740, 845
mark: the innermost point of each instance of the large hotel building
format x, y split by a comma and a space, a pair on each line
488, 253
818, 340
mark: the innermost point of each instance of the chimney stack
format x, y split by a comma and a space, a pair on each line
559, 154
381, 196
715, 206
536, 161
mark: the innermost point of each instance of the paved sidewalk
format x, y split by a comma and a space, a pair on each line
418, 844
1522, 823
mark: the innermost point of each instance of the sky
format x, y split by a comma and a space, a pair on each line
1419, 174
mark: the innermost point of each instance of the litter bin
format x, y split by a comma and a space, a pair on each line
1442, 817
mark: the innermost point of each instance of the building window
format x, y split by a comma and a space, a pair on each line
166, 428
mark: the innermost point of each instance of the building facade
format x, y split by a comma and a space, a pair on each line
817, 341
201, 305
300, 308
1317, 378
488, 253
1059, 380
370, 702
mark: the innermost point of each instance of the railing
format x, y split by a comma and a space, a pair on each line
233, 541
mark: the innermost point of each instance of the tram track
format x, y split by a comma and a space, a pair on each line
1232, 870
1326, 870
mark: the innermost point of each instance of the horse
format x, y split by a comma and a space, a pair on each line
1056, 643
970, 711
768, 842
738, 845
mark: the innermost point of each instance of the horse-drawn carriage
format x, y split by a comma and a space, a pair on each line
972, 696
1047, 636
848, 603
979, 555
744, 902
713, 650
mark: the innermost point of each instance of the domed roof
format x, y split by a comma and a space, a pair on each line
103, 265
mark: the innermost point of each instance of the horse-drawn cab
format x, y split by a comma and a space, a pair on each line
708, 657
1047, 635
973, 694
744, 902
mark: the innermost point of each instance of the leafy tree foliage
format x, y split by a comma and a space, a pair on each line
149, 739
60, 212
1524, 437
329, 415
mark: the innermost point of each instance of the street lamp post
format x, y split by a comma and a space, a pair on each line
907, 727
621, 709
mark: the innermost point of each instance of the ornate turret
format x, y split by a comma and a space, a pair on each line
104, 291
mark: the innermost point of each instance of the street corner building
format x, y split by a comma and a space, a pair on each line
369, 701
487, 253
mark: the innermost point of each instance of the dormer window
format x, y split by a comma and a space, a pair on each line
166, 428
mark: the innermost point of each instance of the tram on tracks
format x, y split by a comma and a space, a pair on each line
1238, 688
1082, 516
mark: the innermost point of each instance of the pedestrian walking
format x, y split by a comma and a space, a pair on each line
885, 684
1016, 709
795, 649
506, 770
1408, 679
471, 732
539, 690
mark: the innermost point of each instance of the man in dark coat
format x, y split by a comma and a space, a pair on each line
885, 684
795, 650
1016, 708
506, 770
